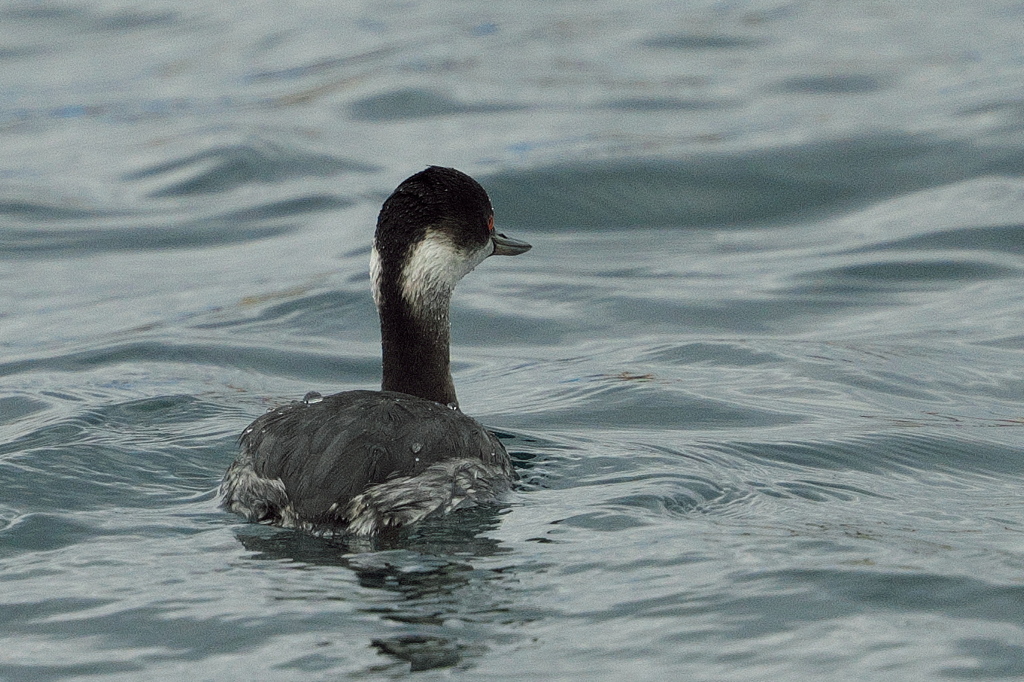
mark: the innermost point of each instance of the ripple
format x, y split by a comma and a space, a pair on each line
682, 496
227, 167
996, 238
703, 41
823, 491
43, 533
78, 241
920, 271
44, 11
723, 353
650, 104
141, 454
75, 233
308, 365
629, 401
412, 103
43, 211
15, 408
961, 597
302, 314
833, 84
287, 208
902, 276
81, 18
758, 187
920, 455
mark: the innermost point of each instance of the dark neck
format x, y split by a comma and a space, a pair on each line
415, 350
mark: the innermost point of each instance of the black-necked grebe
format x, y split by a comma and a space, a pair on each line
363, 462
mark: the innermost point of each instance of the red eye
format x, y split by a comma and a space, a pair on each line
490, 223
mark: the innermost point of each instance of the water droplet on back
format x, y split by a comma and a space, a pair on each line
416, 447
312, 397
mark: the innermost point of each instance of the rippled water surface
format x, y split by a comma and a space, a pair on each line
762, 373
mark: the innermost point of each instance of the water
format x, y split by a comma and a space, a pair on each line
761, 373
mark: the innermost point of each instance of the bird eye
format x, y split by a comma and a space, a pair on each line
490, 223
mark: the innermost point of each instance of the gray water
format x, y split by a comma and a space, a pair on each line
761, 373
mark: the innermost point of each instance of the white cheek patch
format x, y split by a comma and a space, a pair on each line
375, 275
433, 269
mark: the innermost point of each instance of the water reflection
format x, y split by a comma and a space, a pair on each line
428, 581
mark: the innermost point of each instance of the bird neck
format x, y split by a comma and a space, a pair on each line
415, 351
414, 328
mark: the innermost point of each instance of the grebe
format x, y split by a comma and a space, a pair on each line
363, 462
